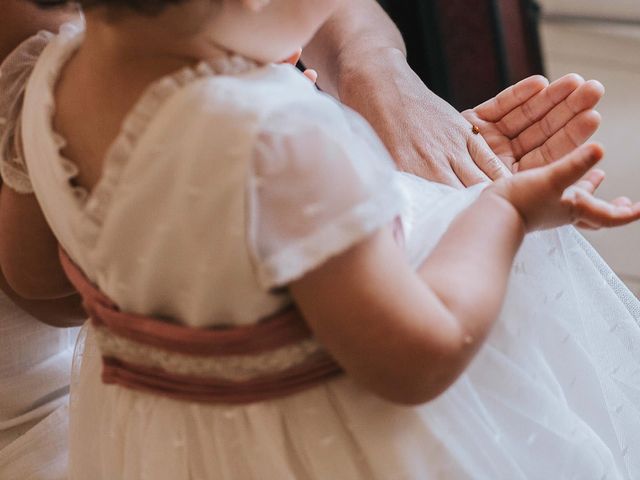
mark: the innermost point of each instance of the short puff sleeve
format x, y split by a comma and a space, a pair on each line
14, 75
321, 181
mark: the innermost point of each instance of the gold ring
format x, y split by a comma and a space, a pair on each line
475, 129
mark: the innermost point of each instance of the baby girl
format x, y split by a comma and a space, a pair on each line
231, 230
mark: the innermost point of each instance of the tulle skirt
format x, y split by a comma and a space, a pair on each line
35, 365
553, 394
40, 453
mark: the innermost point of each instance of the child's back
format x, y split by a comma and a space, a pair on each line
229, 180
210, 194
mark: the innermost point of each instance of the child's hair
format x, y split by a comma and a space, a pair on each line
147, 7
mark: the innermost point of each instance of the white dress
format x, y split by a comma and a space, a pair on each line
229, 180
35, 359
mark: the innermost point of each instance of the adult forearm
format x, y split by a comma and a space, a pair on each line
358, 33
361, 59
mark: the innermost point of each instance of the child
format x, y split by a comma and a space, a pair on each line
35, 359
233, 189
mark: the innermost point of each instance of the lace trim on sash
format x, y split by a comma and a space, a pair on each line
232, 367
269, 359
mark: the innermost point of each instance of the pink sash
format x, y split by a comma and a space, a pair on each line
269, 359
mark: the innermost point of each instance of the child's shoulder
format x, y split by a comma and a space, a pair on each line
15, 70
274, 116
262, 99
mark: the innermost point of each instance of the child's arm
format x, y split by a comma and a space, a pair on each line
29, 250
20, 213
61, 313
408, 335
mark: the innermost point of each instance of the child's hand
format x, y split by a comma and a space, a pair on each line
309, 73
562, 193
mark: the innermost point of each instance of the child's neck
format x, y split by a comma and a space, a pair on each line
171, 40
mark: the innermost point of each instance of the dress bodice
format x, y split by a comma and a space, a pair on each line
227, 181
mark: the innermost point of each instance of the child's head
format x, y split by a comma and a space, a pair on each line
264, 30
269, 30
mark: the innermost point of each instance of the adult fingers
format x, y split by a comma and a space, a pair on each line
496, 108
570, 169
573, 134
486, 160
416, 160
583, 98
530, 112
294, 58
312, 75
446, 176
468, 173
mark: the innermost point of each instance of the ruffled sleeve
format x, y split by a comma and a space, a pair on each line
321, 182
14, 74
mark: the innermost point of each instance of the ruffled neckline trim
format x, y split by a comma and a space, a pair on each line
95, 203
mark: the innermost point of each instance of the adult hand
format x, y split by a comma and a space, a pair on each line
429, 138
531, 124
310, 73
425, 135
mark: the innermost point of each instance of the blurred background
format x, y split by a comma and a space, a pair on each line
601, 39
468, 50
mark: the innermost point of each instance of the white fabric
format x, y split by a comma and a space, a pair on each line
40, 453
200, 264
35, 359
14, 74
554, 393
35, 366
315, 172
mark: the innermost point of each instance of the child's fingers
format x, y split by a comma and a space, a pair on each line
622, 202
591, 181
598, 213
573, 167
586, 226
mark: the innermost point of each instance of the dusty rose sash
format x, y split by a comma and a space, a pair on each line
272, 358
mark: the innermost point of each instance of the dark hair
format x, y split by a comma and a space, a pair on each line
148, 7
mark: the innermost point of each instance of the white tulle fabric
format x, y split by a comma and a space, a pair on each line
35, 360
35, 368
190, 227
554, 393
317, 187
14, 73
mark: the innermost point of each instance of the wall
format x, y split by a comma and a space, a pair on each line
610, 52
